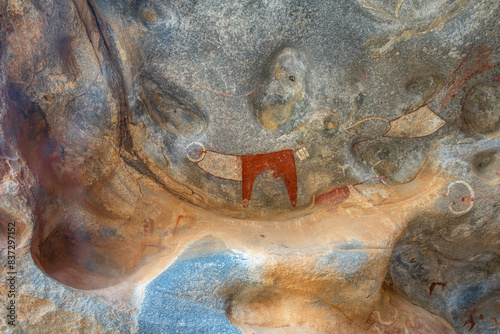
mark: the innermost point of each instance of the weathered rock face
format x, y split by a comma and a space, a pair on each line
252, 166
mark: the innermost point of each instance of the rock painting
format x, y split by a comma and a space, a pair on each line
278, 166
246, 168
418, 123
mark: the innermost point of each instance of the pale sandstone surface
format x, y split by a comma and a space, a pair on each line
251, 167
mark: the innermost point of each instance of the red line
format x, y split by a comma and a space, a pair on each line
479, 65
452, 75
177, 223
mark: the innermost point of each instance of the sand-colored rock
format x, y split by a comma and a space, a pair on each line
249, 167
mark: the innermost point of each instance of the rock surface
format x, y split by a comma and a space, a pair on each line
275, 166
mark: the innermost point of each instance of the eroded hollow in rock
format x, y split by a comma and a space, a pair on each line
313, 166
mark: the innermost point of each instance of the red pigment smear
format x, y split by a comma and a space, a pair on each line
468, 199
281, 162
497, 79
177, 224
470, 322
433, 285
335, 196
479, 65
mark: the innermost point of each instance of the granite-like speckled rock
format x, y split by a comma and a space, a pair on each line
271, 166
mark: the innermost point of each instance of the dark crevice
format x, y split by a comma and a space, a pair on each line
125, 140
116, 82
141, 167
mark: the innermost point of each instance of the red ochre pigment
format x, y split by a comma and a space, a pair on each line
479, 65
335, 196
281, 162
